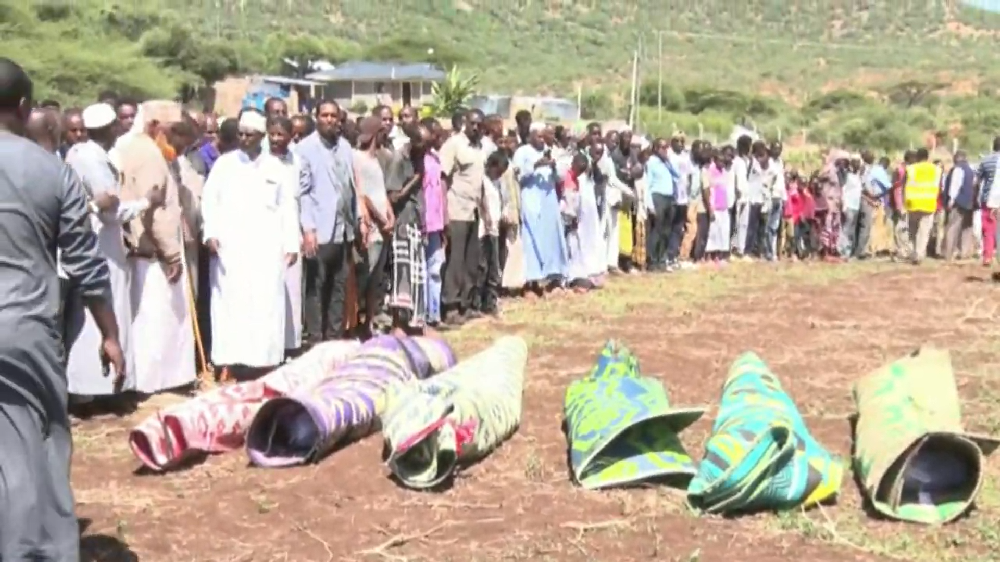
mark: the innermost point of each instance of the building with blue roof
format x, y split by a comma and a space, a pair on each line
359, 83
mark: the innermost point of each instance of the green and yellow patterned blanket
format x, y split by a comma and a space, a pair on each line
433, 426
760, 455
620, 426
912, 455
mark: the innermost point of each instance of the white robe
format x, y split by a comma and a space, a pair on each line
249, 208
162, 328
85, 369
293, 275
587, 243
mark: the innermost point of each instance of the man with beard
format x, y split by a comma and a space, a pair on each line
251, 228
162, 323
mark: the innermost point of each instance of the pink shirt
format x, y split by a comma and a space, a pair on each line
793, 207
433, 194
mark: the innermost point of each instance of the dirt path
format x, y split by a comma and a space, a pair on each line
818, 332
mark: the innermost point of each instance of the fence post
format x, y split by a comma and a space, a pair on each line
701, 130
779, 134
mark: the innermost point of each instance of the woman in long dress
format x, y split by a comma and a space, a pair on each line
541, 224
720, 179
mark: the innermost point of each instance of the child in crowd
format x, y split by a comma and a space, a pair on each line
790, 217
487, 297
808, 227
579, 239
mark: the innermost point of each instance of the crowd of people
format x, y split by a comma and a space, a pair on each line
258, 235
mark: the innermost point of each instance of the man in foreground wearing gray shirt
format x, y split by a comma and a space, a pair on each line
42, 207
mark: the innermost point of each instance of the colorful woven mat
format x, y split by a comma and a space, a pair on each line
912, 454
760, 455
309, 423
621, 427
432, 426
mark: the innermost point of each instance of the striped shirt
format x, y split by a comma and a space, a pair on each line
986, 172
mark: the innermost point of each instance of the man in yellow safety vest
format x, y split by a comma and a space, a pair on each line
920, 196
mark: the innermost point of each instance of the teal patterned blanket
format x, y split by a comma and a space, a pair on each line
760, 455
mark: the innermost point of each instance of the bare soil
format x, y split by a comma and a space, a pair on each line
819, 327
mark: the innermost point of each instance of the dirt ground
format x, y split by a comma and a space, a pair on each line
819, 327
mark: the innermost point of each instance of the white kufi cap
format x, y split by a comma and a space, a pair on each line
98, 116
537, 127
253, 122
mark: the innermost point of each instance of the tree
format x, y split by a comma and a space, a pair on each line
836, 100
408, 49
204, 61
913, 92
451, 94
304, 49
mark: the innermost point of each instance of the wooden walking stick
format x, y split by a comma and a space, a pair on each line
206, 377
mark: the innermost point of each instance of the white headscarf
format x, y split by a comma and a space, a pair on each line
253, 122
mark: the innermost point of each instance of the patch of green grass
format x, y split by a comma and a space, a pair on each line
555, 320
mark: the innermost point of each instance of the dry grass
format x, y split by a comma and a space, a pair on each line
819, 327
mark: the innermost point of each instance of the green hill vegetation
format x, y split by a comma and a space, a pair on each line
880, 73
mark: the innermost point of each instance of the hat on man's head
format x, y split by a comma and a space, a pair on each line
368, 128
98, 116
164, 112
253, 122
678, 135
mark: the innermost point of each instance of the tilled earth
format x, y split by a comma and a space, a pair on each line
819, 327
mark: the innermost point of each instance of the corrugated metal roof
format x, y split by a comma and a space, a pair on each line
283, 80
387, 71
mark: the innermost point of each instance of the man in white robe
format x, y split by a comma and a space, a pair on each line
284, 151
90, 160
163, 331
251, 227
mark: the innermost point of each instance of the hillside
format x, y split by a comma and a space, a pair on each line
530, 45
885, 73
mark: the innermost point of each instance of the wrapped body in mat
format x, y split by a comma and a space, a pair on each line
308, 424
620, 425
760, 455
217, 421
912, 454
432, 426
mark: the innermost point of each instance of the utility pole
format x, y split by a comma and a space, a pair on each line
659, 81
635, 70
